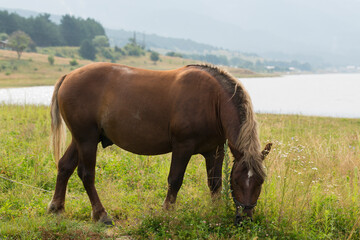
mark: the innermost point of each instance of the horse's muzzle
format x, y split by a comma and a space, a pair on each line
242, 216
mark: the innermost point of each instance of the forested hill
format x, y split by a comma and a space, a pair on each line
45, 30
121, 37
53, 30
71, 31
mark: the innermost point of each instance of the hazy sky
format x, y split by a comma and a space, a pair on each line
119, 13
293, 26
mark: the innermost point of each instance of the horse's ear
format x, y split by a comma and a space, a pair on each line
266, 150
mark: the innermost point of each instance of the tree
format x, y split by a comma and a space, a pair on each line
92, 28
73, 62
87, 50
11, 22
154, 57
100, 41
71, 31
75, 30
3, 36
51, 59
19, 41
43, 31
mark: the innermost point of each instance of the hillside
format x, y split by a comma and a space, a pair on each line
46, 30
34, 69
152, 41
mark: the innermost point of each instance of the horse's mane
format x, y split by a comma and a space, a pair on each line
248, 138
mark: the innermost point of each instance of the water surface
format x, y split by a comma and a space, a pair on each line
334, 95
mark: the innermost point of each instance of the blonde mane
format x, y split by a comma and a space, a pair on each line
248, 141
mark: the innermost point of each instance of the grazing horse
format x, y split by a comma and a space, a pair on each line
187, 111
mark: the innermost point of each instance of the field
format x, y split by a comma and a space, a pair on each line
34, 69
311, 192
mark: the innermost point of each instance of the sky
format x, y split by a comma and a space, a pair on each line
326, 29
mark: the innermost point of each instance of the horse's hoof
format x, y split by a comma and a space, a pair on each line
109, 223
105, 219
52, 208
168, 206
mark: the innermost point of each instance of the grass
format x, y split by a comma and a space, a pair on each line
34, 69
311, 192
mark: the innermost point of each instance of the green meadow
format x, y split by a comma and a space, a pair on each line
311, 191
34, 69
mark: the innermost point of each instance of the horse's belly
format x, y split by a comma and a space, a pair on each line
143, 138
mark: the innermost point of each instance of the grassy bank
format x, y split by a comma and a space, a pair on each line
34, 69
312, 189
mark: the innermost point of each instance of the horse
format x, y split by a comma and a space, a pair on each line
190, 110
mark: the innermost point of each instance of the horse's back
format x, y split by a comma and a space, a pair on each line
138, 110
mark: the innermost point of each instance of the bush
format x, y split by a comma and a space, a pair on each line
58, 54
3, 36
174, 54
107, 53
154, 57
73, 62
119, 50
51, 59
134, 50
87, 50
100, 41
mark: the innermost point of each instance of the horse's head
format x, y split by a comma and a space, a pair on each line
246, 184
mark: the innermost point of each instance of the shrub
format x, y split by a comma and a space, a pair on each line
174, 54
51, 59
87, 50
73, 62
154, 57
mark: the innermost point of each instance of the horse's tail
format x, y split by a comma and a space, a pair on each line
57, 124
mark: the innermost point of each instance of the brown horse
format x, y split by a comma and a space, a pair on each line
190, 110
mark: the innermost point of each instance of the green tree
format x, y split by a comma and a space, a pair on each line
92, 28
44, 32
19, 41
73, 62
12, 22
3, 36
87, 50
71, 31
133, 50
154, 56
75, 30
101, 41
51, 59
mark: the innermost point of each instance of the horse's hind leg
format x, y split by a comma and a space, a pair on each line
66, 167
214, 160
86, 172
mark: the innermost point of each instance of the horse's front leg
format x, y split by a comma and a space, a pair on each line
214, 160
181, 155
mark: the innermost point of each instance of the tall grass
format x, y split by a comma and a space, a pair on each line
312, 189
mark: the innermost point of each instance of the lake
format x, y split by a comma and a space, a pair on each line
333, 95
